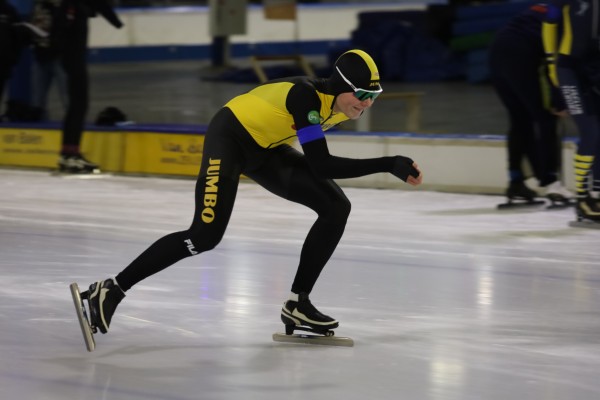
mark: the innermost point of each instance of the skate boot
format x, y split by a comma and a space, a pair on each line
519, 191
519, 194
587, 208
76, 164
301, 313
558, 195
103, 298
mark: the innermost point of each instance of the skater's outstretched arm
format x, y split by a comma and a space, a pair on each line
327, 165
302, 101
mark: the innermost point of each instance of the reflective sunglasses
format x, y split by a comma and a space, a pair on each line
361, 94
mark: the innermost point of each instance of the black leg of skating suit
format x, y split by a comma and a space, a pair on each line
287, 175
229, 152
210, 218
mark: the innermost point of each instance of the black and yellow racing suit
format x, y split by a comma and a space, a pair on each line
577, 46
251, 135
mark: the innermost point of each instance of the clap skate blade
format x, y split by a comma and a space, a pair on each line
322, 337
520, 203
582, 222
84, 322
92, 174
587, 214
558, 202
585, 223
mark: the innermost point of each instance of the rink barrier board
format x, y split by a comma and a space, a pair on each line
119, 151
450, 162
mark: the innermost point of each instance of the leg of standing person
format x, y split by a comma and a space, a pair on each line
581, 108
544, 150
5, 48
596, 174
41, 76
508, 74
4, 76
74, 62
60, 78
44, 74
594, 71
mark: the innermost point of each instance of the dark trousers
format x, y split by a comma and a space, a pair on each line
73, 56
516, 75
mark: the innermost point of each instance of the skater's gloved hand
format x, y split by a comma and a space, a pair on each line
407, 170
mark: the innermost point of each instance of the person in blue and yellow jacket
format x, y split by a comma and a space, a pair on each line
573, 54
520, 78
252, 135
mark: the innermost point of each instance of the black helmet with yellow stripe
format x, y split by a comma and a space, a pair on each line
355, 71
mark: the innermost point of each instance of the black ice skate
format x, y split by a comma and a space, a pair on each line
102, 300
77, 164
587, 212
301, 315
519, 195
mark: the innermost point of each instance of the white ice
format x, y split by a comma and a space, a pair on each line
445, 297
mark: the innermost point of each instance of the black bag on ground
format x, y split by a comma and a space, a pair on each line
110, 116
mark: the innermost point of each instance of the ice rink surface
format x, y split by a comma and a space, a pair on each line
445, 297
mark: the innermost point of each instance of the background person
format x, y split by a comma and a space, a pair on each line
68, 26
520, 78
576, 69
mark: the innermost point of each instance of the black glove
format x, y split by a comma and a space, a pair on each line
403, 167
